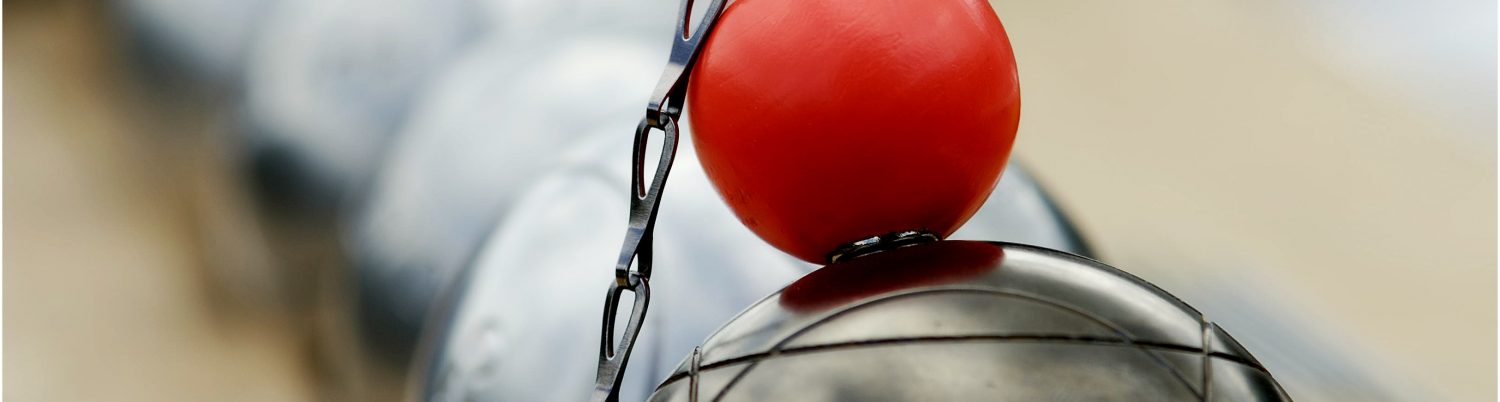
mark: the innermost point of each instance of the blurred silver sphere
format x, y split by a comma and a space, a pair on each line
969, 321
520, 328
539, 21
205, 40
331, 80
327, 84
488, 127
491, 126
1020, 211
522, 320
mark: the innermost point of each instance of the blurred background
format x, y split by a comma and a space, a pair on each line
262, 200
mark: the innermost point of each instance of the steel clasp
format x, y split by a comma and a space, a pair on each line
667, 98
633, 268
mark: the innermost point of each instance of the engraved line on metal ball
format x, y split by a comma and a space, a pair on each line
1208, 367
693, 374
1125, 337
1034, 338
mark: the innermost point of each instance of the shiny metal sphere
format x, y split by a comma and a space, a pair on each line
968, 321
523, 317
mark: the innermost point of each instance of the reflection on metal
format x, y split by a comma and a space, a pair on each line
881, 243
961, 320
523, 319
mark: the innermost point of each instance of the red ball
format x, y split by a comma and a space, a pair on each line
825, 122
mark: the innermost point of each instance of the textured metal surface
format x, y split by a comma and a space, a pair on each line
523, 321
960, 320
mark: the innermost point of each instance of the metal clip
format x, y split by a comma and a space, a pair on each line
612, 358
645, 199
671, 89
633, 269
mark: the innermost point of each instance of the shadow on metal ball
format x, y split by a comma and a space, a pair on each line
965, 320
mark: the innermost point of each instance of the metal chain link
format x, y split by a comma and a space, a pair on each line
633, 269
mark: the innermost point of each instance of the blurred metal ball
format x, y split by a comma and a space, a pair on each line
330, 81
488, 129
521, 324
524, 317
966, 321
206, 40
541, 20
1020, 211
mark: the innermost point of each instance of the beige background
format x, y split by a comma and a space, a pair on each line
1202, 135
1184, 131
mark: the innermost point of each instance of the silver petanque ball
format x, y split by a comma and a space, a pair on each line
970, 321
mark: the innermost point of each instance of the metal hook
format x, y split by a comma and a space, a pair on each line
672, 88
612, 358
633, 269
645, 199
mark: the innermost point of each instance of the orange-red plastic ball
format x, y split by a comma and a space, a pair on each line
824, 122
